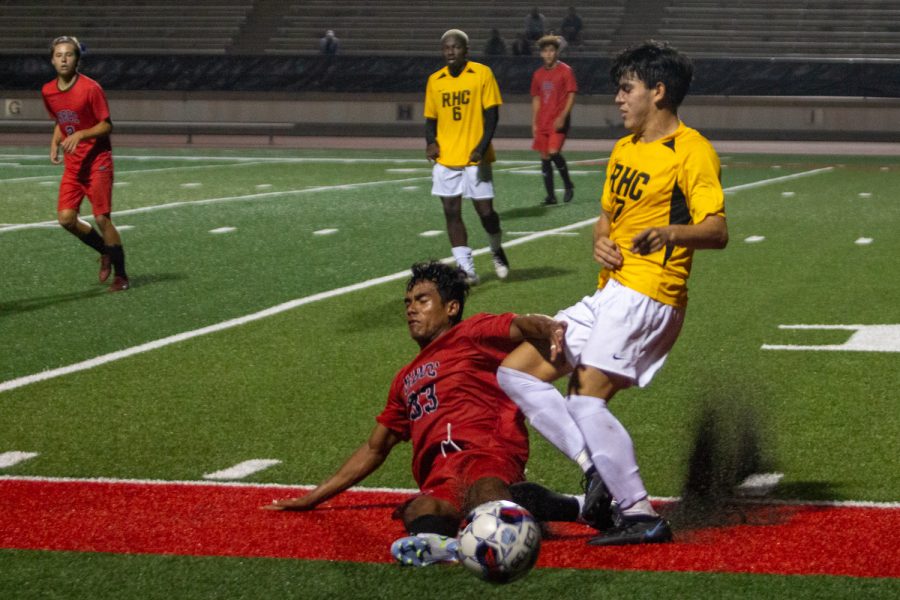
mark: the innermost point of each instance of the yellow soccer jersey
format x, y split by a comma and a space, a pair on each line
673, 180
458, 104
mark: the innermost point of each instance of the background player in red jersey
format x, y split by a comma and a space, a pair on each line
553, 89
78, 106
469, 440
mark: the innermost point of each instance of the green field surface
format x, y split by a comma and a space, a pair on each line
814, 241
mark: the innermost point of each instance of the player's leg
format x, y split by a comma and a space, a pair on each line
479, 186
448, 185
432, 524
626, 346
71, 192
557, 141
100, 196
541, 144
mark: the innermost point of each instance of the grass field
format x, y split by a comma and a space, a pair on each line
203, 379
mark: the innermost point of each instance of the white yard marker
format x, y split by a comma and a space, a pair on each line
264, 186
10, 459
864, 241
325, 232
865, 338
192, 184
243, 469
431, 233
124, 227
787, 194
759, 484
865, 194
754, 239
410, 188
223, 230
121, 183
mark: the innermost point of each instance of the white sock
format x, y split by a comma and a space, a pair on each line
545, 409
612, 450
463, 257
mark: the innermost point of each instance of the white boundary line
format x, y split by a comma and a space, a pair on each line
375, 490
274, 310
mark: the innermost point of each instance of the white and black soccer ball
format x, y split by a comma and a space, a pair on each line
500, 541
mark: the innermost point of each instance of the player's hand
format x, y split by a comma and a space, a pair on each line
557, 339
432, 151
559, 123
297, 504
607, 253
475, 157
55, 158
650, 240
71, 143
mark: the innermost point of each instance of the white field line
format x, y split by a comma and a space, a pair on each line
271, 311
756, 184
250, 197
243, 469
10, 459
382, 490
234, 161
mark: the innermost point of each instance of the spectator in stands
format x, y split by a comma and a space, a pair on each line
571, 27
521, 46
78, 105
495, 45
534, 25
329, 44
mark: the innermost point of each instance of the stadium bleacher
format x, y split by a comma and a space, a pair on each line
703, 28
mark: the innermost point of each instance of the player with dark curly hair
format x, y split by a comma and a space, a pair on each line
469, 440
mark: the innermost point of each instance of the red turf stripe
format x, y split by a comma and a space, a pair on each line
356, 526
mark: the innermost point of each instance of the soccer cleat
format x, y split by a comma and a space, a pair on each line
425, 549
569, 194
105, 267
598, 511
501, 263
635, 529
549, 201
119, 284
472, 277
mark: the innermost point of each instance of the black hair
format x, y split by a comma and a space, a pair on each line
653, 62
450, 282
67, 39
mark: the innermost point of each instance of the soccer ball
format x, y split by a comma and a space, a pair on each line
499, 541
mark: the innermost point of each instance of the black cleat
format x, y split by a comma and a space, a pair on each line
569, 194
598, 510
549, 201
636, 529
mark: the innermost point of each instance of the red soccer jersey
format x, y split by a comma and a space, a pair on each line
553, 86
80, 107
450, 391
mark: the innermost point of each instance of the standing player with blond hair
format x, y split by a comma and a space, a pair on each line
462, 107
553, 89
78, 106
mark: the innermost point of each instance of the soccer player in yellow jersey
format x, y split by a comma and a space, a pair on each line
462, 107
662, 200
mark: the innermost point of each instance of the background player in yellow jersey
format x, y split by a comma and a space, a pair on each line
462, 107
662, 200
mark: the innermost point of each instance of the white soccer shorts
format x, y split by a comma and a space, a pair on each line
475, 182
621, 332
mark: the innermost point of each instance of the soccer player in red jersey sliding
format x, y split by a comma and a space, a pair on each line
469, 440
553, 89
78, 106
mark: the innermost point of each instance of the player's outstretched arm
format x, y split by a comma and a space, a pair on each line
539, 328
362, 463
